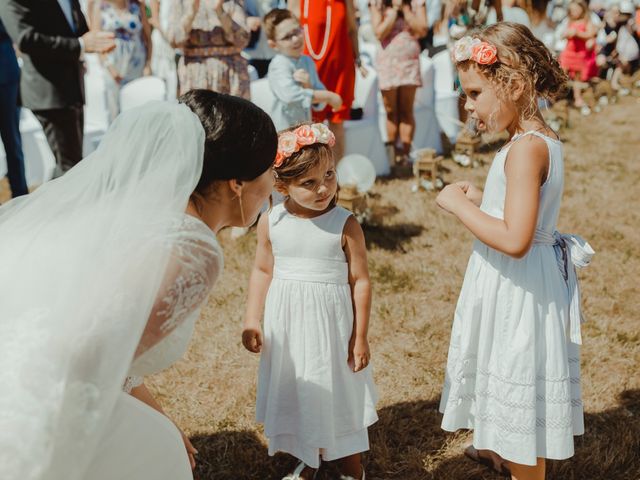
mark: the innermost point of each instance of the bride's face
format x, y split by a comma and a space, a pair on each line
254, 195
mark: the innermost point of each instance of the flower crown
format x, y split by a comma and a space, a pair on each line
291, 141
468, 48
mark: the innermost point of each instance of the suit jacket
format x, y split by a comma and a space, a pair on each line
9, 70
52, 73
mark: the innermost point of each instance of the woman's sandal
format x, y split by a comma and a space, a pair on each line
296, 473
500, 467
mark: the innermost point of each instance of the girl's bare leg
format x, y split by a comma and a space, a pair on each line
351, 466
527, 472
406, 98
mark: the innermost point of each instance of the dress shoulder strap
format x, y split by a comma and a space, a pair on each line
537, 134
336, 219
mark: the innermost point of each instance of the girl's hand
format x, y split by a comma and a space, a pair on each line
359, 354
252, 338
335, 101
147, 70
471, 191
450, 197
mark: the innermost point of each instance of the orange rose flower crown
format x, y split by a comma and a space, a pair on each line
468, 48
291, 141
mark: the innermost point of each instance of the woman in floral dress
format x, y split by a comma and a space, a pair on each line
398, 24
211, 34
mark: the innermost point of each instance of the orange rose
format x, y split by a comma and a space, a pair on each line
279, 159
306, 135
484, 53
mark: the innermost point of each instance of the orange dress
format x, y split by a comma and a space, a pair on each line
327, 41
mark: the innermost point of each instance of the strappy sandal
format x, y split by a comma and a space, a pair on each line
500, 468
296, 473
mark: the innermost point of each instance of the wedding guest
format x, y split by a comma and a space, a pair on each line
258, 50
51, 37
130, 60
212, 35
163, 55
336, 53
292, 76
398, 25
10, 115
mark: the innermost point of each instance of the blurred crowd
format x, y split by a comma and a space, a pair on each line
310, 50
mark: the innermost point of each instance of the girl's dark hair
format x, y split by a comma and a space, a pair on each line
240, 138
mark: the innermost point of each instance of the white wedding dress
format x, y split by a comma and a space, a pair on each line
140, 442
102, 277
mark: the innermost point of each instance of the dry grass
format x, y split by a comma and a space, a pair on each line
417, 260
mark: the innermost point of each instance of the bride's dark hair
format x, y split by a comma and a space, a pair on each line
240, 138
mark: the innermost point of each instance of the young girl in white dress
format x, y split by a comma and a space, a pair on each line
513, 372
316, 395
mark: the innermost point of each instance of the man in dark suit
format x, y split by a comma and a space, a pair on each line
51, 36
10, 115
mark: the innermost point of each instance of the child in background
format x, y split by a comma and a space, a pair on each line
292, 76
513, 372
578, 58
316, 395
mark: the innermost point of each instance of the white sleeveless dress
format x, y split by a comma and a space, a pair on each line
513, 370
142, 443
311, 403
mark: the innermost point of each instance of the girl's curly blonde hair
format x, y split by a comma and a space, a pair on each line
523, 62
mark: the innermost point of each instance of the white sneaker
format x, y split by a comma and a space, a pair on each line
585, 111
346, 477
462, 159
296, 473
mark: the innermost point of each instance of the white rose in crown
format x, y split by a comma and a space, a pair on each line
287, 143
323, 134
463, 48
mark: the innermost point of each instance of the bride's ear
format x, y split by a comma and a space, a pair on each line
236, 186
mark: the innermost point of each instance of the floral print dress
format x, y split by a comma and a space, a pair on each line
211, 58
398, 63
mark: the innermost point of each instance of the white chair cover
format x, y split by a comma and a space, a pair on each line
446, 96
262, 95
39, 162
140, 91
363, 136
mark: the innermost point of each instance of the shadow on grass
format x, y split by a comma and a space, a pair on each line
609, 449
407, 442
391, 237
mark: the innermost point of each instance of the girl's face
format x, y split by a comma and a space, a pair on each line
491, 113
314, 190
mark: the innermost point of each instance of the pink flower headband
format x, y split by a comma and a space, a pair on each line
468, 48
291, 141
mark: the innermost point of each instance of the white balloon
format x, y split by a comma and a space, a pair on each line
356, 169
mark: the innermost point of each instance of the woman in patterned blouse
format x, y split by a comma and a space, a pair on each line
211, 34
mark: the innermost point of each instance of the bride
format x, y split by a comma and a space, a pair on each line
102, 275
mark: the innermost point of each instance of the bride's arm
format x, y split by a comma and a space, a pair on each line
194, 266
142, 393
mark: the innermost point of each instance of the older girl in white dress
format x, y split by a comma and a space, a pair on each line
316, 395
513, 373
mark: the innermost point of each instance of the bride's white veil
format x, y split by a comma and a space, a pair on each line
81, 261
